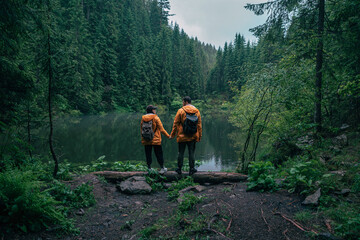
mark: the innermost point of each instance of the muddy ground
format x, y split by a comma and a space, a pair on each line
226, 212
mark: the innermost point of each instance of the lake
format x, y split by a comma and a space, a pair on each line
81, 140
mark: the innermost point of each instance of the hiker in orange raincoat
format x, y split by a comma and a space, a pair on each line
151, 129
187, 127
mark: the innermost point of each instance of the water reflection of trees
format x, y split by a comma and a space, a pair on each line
117, 136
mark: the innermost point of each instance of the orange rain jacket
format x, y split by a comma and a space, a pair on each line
179, 121
157, 127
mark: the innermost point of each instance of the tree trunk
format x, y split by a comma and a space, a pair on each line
56, 168
199, 177
29, 129
319, 64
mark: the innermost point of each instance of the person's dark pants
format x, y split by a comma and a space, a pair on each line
191, 148
158, 153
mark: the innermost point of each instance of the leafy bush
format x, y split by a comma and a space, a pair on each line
64, 171
189, 200
24, 205
356, 185
173, 191
301, 176
127, 167
100, 164
155, 180
261, 177
346, 219
79, 197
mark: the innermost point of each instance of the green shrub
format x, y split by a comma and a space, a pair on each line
189, 200
127, 167
81, 196
301, 176
356, 185
346, 218
25, 206
173, 191
155, 180
261, 177
64, 171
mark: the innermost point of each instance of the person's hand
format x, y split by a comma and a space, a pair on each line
170, 137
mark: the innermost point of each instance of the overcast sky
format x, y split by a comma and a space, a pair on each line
215, 21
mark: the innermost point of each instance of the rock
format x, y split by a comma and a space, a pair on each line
207, 205
340, 141
279, 182
313, 199
134, 185
167, 185
324, 157
344, 126
343, 192
199, 188
326, 236
304, 141
80, 212
139, 203
339, 172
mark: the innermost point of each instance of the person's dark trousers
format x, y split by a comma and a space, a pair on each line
191, 148
158, 153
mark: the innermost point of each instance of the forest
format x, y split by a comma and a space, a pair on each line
297, 88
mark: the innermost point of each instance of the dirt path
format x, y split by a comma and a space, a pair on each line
235, 213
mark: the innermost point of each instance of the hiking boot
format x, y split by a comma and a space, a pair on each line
163, 170
192, 171
178, 170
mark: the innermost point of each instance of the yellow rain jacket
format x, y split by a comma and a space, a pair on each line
157, 127
179, 121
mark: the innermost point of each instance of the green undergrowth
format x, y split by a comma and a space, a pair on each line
318, 166
32, 200
173, 191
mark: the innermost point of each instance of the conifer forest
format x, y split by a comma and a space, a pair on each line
290, 102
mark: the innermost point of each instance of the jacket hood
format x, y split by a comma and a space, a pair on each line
148, 117
190, 109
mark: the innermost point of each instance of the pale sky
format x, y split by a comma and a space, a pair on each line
215, 21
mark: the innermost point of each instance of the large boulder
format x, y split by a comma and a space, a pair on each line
135, 185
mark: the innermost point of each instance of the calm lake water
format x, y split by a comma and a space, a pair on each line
81, 140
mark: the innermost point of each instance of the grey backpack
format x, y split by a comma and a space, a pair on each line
147, 131
190, 123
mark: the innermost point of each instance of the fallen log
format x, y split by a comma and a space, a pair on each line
199, 177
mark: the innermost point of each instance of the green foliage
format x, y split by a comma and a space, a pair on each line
189, 200
346, 220
100, 165
302, 174
25, 206
304, 216
64, 171
79, 197
261, 177
356, 185
155, 180
173, 191
128, 167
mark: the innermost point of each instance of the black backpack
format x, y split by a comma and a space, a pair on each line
147, 131
190, 123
